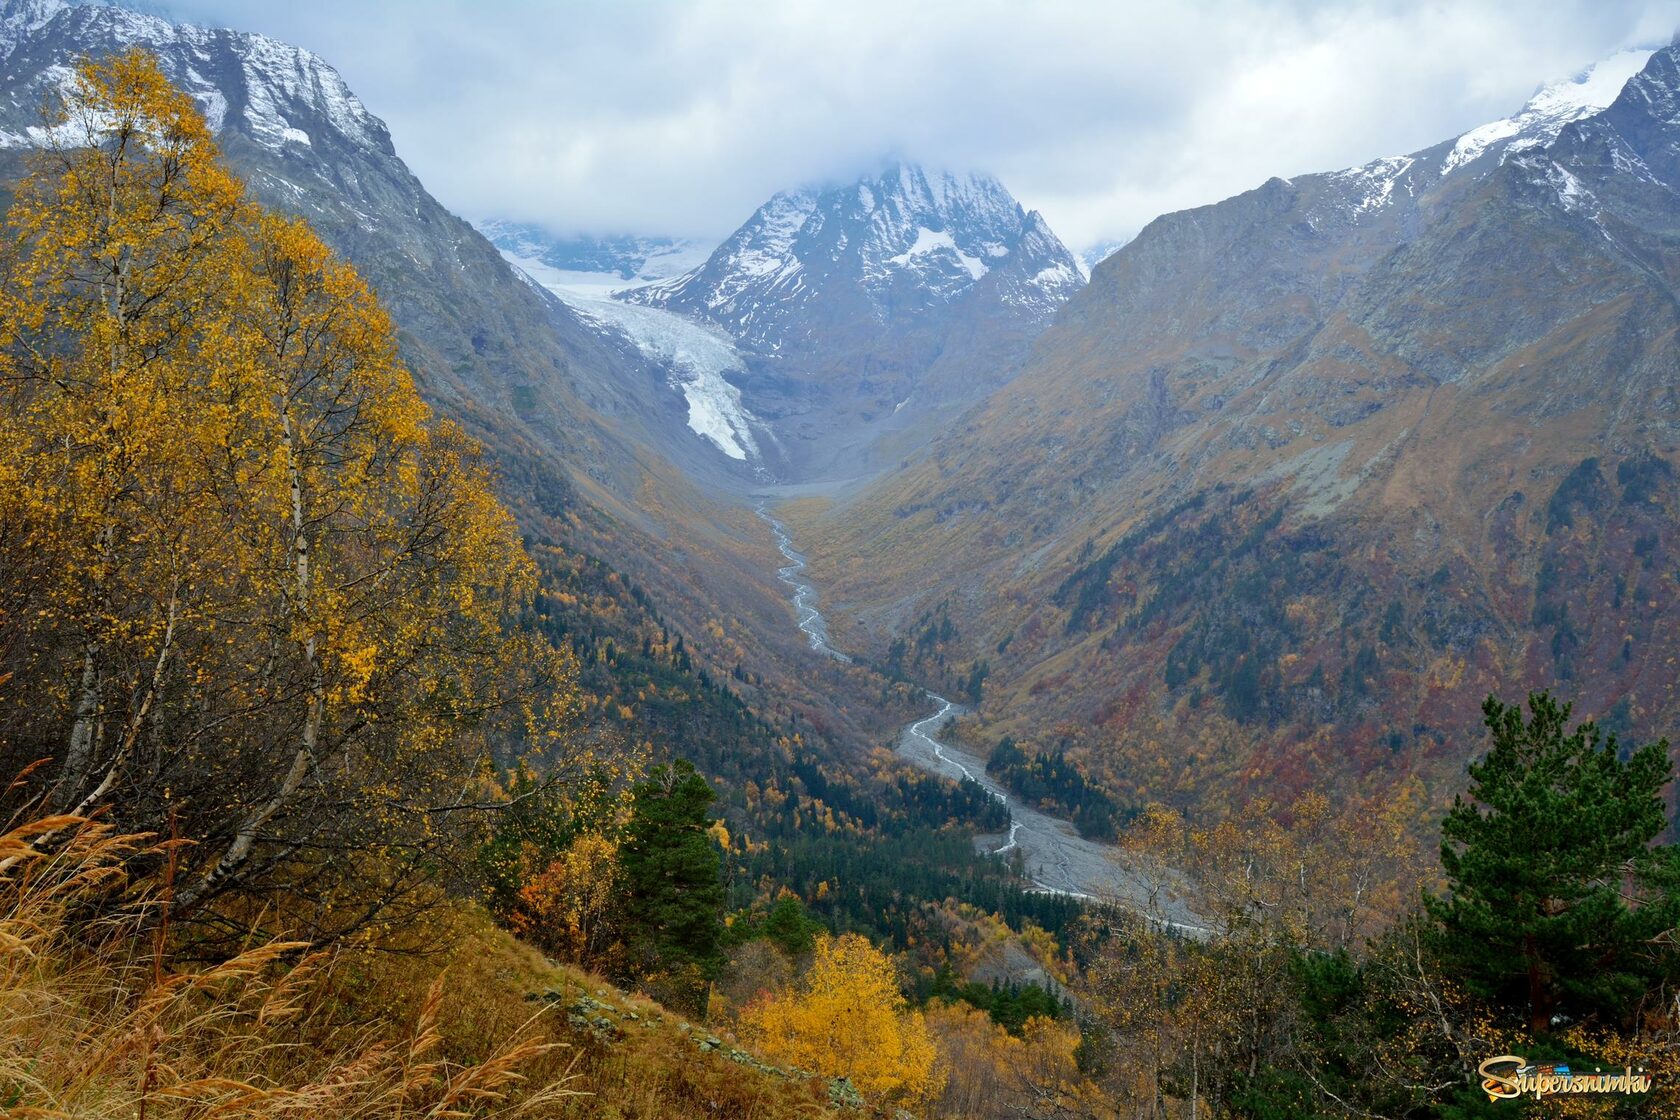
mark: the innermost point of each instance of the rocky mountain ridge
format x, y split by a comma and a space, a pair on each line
1336, 456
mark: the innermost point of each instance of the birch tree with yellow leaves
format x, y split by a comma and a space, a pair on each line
257, 594
847, 1018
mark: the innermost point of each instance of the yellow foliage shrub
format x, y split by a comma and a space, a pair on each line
567, 906
847, 1018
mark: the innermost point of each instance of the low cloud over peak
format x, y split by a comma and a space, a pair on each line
680, 119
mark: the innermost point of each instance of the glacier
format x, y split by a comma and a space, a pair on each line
697, 357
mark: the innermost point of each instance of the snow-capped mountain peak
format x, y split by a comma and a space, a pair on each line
1553, 106
22, 18
900, 238
282, 95
862, 308
942, 226
1371, 191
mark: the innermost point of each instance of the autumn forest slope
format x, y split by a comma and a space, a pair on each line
579, 426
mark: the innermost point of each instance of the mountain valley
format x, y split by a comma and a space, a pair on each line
1337, 456
884, 661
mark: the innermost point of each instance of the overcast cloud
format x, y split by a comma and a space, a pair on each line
682, 118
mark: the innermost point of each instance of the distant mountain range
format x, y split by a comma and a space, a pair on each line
831, 332
1301, 476
628, 258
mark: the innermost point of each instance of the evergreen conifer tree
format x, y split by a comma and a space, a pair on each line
673, 874
1558, 896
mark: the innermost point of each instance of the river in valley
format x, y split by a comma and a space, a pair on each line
792, 573
1054, 857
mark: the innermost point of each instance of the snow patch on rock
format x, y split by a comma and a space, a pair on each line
1374, 181
938, 241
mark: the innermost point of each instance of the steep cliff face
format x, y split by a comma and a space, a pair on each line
1301, 476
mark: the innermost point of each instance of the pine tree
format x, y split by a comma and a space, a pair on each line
673, 873
1556, 890
789, 925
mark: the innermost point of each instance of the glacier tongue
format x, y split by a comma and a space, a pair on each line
696, 357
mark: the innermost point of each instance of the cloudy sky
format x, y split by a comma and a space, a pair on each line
681, 118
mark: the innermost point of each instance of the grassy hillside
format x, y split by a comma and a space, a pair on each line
452, 1018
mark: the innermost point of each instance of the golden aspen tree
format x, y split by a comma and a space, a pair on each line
1131, 982
567, 905
277, 609
847, 1018
994, 1074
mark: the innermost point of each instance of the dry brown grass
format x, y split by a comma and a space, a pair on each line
95, 1022
646, 1066
98, 1017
